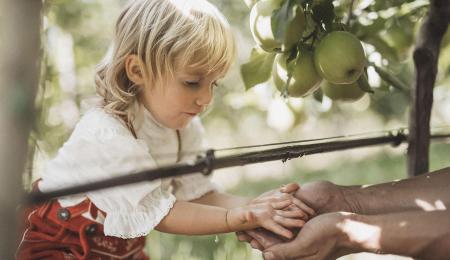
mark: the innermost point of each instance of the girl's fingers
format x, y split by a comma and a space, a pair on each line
289, 222
281, 204
274, 198
290, 187
278, 229
292, 207
303, 206
292, 214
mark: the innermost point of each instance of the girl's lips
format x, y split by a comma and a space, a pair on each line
192, 114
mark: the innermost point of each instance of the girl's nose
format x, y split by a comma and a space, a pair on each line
205, 97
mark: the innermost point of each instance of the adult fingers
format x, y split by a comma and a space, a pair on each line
243, 237
256, 245
264, 237
282, 251
290, 187
290, 250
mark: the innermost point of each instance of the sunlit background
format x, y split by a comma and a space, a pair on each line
76, 35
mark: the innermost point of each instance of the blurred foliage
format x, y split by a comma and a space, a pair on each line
76, 34
379, 168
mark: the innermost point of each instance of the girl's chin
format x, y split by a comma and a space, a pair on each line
180, 123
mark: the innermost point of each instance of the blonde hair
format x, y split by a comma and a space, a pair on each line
165, 34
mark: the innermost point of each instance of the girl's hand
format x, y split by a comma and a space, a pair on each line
272, 216
284, 193
275, 195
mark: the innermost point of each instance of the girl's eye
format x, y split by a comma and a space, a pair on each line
196, 84
192, 84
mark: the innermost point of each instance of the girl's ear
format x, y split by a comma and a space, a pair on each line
134, 69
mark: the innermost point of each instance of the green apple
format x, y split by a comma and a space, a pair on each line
342, 92
305, 78
339, 57
261, 26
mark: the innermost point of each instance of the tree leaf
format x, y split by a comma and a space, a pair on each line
281, 18
258, 69
391, 79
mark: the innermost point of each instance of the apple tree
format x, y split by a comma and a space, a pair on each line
330, 44
323, 46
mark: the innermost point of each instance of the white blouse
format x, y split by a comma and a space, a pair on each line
101, 147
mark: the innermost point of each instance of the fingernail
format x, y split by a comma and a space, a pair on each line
268, 256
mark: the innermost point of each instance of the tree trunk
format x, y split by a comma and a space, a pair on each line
426, 56
19, 66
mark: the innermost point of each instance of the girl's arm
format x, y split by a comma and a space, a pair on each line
224, 200
229, 201
196, 219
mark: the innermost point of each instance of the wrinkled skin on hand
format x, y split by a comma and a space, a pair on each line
324, 197
259, 238
321, 196
318, 239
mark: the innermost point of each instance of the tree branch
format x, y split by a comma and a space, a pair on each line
425, 56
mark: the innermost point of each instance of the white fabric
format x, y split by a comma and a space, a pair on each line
102, 147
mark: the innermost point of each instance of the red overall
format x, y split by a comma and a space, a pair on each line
56, 233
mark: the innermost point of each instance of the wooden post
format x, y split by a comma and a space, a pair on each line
425, 56
19, 67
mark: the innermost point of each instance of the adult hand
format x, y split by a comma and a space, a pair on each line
259, 238
320, 238
321, 196
325, 197
317, 197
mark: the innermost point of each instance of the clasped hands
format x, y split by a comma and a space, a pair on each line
314, 234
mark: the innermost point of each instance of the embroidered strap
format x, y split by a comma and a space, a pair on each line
131, 127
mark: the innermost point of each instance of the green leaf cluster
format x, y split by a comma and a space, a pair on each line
296, 27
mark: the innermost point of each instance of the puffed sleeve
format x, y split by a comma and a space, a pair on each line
104, 151
192, 186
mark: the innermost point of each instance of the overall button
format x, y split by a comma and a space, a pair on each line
90, 230
63, 214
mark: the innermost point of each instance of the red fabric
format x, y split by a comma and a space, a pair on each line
50, 236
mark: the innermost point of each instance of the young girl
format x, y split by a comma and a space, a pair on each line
165, 61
